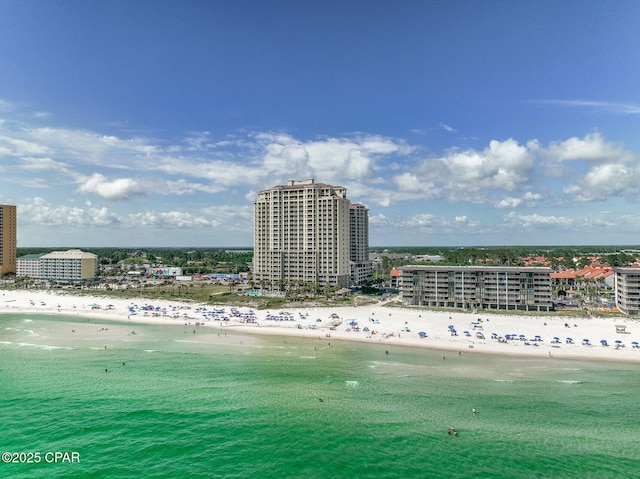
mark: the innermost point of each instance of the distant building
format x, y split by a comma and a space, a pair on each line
302, 233
71, 265
8, 239
394, 278
166, 272
485, 287
628, 290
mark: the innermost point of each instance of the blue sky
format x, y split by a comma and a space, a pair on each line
458, 123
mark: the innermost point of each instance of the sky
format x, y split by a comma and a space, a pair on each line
457, 123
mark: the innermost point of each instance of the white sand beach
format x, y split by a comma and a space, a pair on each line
538, 336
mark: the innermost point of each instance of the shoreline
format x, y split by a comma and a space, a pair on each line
533, 336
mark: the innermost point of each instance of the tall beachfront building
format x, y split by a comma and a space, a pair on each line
8, 239
302, 233
361, 265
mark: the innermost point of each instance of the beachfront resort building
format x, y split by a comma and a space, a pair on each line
308, 232
483, 287
627, 281
28, 265
72, 265
361, 265
8, 239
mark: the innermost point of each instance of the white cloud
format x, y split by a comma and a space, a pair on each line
43, 164
118, 189
37, 211
605, 181
537, 221
592, 147
508, 202
619, 108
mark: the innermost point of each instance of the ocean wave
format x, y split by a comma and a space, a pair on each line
46, 347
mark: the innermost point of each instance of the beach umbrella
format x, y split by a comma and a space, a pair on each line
556, 338
634, 342
618, 341
603, 341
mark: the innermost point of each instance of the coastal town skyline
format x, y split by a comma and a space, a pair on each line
464, 124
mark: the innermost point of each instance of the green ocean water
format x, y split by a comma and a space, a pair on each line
177, 402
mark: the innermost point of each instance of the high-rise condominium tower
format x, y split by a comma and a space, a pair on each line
302, 233
8, 239
361, 266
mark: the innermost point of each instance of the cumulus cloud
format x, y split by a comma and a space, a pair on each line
471, 174
508, 202
592, 147
605, 181
118, 189
352, 158
37, 211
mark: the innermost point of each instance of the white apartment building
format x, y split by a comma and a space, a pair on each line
29, 265
627, 286
302, 233
485, 287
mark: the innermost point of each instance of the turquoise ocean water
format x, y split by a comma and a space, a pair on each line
168, 402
